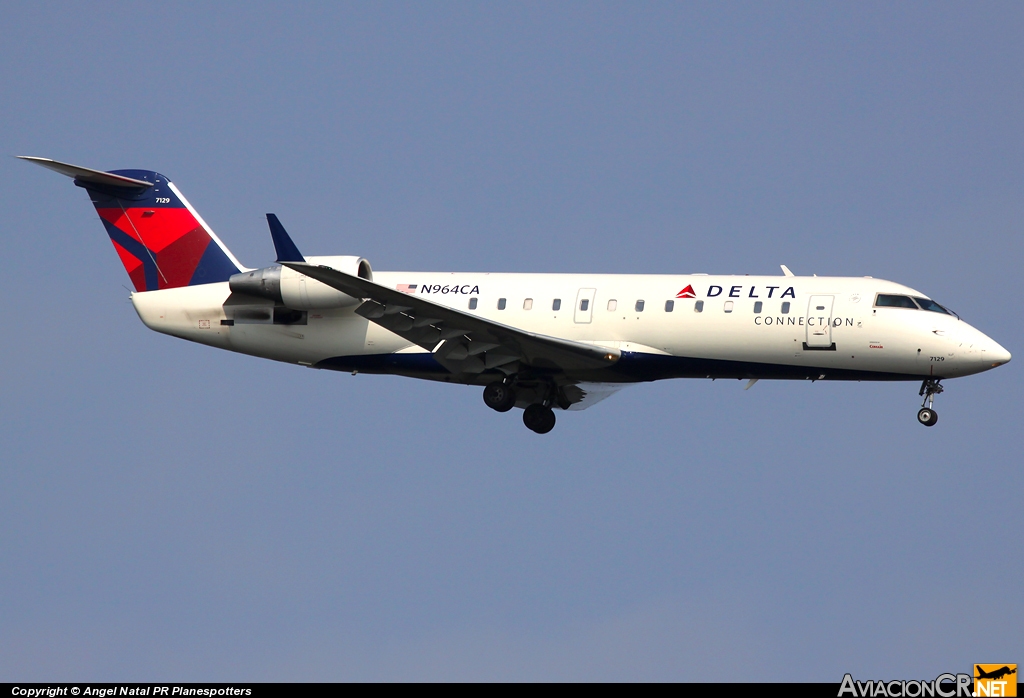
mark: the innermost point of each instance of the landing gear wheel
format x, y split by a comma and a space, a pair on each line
930, 387
499, 396
539, 418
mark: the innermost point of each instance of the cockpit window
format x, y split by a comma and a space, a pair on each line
931, 305
886, 300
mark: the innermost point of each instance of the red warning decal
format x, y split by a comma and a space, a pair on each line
686, 293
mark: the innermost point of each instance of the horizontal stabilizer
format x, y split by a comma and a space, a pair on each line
88, 176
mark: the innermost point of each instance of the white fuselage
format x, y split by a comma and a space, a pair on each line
829, 329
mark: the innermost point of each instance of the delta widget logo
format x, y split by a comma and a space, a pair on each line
687, 292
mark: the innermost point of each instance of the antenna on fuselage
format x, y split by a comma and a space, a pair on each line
786, 271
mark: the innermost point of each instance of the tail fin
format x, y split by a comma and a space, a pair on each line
161, 240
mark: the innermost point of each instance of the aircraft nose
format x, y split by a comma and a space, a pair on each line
997, 355
979, 352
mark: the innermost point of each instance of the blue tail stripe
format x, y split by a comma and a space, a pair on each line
214, 266
138, 250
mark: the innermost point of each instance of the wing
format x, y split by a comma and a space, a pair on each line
460, 342
584, 395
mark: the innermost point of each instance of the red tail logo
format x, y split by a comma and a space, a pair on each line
686, 293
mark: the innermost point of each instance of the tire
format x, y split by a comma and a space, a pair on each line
499, 396
548, 422
539, 419
927, 417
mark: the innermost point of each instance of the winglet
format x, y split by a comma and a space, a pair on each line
286, 249
786, 271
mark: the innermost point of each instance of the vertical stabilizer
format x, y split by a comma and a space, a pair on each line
161, 240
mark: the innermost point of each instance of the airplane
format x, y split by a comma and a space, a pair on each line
531, 341
995, 674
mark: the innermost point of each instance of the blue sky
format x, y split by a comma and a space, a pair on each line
168, 511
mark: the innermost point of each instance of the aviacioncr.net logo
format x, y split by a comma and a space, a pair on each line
943, 686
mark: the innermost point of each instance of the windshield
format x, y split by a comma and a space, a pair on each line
889, 300
931, 305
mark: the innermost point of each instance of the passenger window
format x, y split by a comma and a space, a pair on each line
501, 304
613, 304
728, 306
698, 307
556, 304
757, 306
670, 306
584, 304
528, 304
639, 306
785, 308
885, 300
472, 303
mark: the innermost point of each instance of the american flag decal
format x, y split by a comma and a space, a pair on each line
406, 288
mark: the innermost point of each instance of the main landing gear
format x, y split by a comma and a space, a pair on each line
929, 389
500, 396
539, 417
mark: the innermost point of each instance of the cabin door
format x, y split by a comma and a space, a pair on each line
819, 322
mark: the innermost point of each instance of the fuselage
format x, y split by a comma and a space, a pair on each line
665, 326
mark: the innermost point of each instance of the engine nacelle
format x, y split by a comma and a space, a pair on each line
298, 291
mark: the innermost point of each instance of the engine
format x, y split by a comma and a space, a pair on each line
294, 290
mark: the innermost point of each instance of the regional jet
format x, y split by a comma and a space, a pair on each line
532, 341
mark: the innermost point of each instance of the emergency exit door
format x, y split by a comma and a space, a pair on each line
585, 305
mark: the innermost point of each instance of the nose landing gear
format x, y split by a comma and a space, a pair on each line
929, 389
